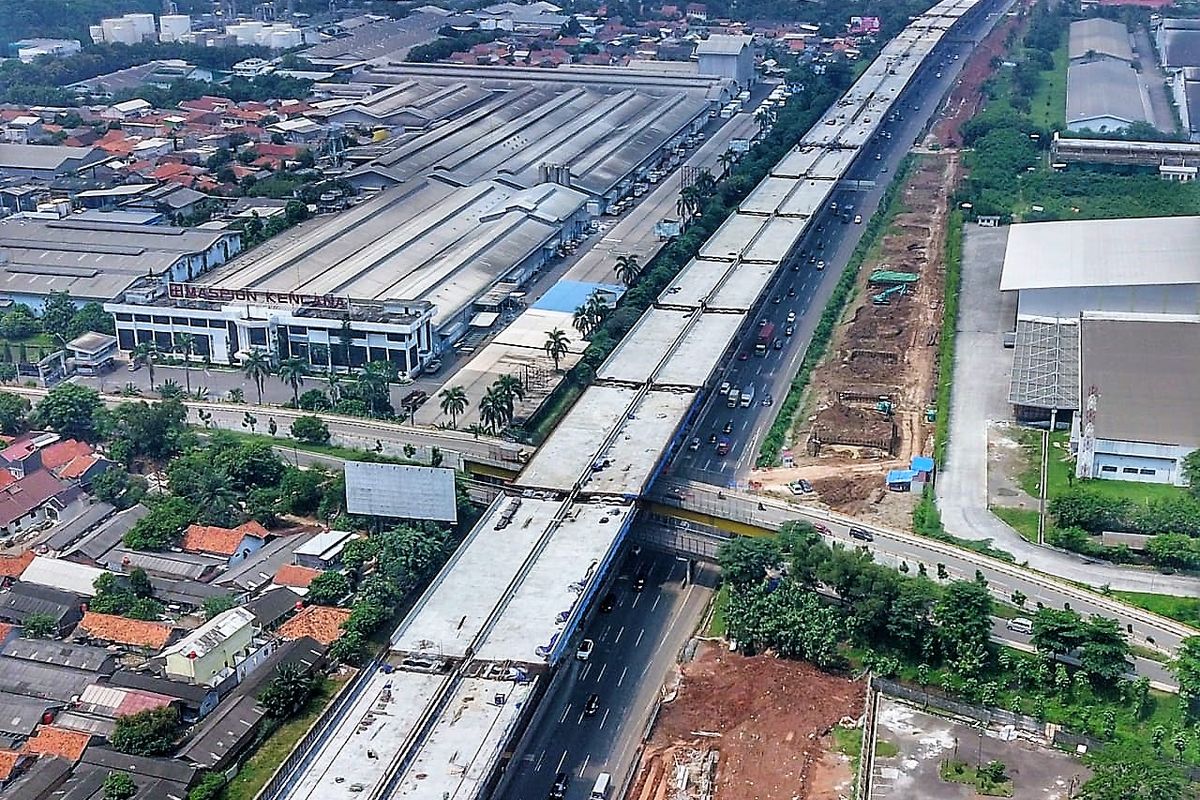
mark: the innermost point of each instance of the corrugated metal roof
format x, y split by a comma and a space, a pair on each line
720, 44
1104, 89
1099, 37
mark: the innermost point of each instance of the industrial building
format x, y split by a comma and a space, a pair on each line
1105, 96
729, 57
1178, 43
1138, 386
46, 162
1097, 39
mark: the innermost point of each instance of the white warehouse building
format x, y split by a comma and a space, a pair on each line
727, 57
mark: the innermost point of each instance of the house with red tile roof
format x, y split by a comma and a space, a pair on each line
11, 761
11, 567
25, 503
322, 623
112, 629
295, 577
52, 741
232, 544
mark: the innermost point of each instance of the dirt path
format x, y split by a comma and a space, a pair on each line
757, 726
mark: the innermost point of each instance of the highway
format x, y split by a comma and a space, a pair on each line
806, 291
893, 547
636, 645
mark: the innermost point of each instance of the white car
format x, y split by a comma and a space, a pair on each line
585, 649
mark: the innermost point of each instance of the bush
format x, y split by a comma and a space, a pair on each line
146, 733
310, 429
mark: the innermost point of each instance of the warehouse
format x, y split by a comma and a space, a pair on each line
99, 260
1139, 383
1096, 39
1105, 96
1178, 43
729, 57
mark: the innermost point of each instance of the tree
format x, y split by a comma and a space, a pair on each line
964, 618
1191, 471
628, 269
146, 733
215, 497
329, 588
745, 560
19, 323
219, 604
292, 372
491, 410
454, 401
186, 344
156, 430
313, 400
39, 626
557, 345
301, 490
1186, 667
373, 382
8, 373
57, 312
288, 691
1057, 632
210, 787
311, 429
257, 366
349, 648
13, 412
726, 160
510, 389
145, 353
161, 528
119, 786
90, 317
1104, 651
71, 409
249, 465
1132, 772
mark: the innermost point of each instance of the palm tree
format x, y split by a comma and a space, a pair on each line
237, 395
491, 410
511, 389
257, 366
146, 353
335, 385
373, 380
187, 343
214, 495
454, 402
582, 321
292, 372
705, 184
557, 345
726, 160
597, 306
628, 269
346, 338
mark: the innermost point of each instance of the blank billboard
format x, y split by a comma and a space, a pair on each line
398, 490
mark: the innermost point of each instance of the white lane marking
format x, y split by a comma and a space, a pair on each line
636, 597
641, 633
583, 675
566, 711
604, 633
600, 677
622, 678
604, 719
658, 597
585, 763
561, 759
618, 639
538, 766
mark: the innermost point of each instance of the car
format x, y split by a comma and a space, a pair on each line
694, 445
744, 355
789, 330
794, 487
559, 790
878, 156
862, 534
777, 299
134, 366
728, 427
762, 323
608, 603
885, 169
592, 705
777, 344
795, 266
723, 447
432, 366
820, 528
767, 401
805, 486
858, 219
585, 649
791, 317
791, 291
639, 583
712, 438
1020, 625
724, 387
820, 265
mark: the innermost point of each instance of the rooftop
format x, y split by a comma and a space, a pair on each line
212, 633
121, 630
295, 576
45, 157
1122, 356
63, 575
723, 45
19, 715
320, 623
29, 493
52, 741
1103, 90
50, 651
571, 448
1111, 252
1099, 37
220, 541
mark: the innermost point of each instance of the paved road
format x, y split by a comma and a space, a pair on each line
805, 292
636, 644
892, 547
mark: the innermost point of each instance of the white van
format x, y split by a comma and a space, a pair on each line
600, 790
1020, 625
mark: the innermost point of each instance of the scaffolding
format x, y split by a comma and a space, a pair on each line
1045, 371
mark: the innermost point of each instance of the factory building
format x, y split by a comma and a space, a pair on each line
728, 57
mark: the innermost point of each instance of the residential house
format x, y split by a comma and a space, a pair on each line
20, 715
66, 576
296, 577
110, 629
24, 599
127, 110
80, 517
54, 741
44, 681
232, 544
12, 762
168, 564
72, 460
12, 566
272, 607
92, 547
321, 623
195, 702
324, 551
31, 502
258, 571
215, 649
169, 777
39, 780
63, 654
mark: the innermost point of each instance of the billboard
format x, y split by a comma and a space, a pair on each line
399, 490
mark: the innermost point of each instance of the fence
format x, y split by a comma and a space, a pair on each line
988, 716
866, 756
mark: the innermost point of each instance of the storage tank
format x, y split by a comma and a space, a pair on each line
283, 38
144, 25
173, 27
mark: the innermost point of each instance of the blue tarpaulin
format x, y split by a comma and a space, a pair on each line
922, 463
901, 476
570, 295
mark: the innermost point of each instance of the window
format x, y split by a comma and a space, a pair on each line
1108, 468
141, 318
198, 323
258, 336
298, 330
1129, 470
125, 317
1145, 472
397, 337
157, 320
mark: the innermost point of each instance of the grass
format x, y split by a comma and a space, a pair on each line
849, 742
961, 772
717, 625
886, 749
345, 453
1023, 520
1181, 609
1048, 106
259, 768
953, 259
553, 410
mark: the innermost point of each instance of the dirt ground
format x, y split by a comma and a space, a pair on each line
883, 351
757, 727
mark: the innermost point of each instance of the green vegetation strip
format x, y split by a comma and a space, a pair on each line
1180, 609
953, 261
889, 206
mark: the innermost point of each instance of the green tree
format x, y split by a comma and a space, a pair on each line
1057, 632
330, 588
557, 345
155, 431
210, 787
91, 317
119, 786
146, 733
1191, 471
71, 409
292, 372
256, 366
162, 527
219, 604
301, 490
349, 648
491, 410
57, 312
1104, 652
454, 402
248, 464
19, 323
744, 560
1132, 772
288, 691
14, 411
964, 619
628, 269
146, 353
39, 626
1186, 667
311, 429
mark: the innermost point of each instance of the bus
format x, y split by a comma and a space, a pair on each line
765, 335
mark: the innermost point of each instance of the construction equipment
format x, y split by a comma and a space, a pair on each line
931, 414
885, 407
883, 298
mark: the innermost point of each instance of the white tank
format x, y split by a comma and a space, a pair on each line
144, 25
283, 38
173, 27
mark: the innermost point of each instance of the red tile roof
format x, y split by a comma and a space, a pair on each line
323, 623
60, 453
13, 566
8, 762
120, 630
219, 541
78, 467
23, 496
298, 577
52, 741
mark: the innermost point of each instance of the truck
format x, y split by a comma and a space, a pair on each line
748, 396
765, 335
734, 397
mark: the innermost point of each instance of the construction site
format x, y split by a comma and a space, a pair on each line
757, 728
